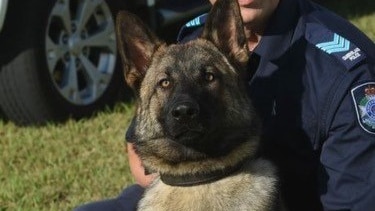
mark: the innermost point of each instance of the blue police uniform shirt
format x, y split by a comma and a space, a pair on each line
313, 83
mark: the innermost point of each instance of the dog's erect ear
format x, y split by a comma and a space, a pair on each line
225, 29
136, 44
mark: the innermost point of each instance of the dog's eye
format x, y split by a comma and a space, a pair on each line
164, 83
208, 76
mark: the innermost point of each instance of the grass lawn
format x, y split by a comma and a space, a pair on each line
57, 167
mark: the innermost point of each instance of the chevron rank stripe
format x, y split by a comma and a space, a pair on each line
194, 22
338, 44
198, 21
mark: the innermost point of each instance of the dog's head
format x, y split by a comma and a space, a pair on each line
192, 107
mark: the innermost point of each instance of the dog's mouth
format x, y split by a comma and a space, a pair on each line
186, 131
187, 135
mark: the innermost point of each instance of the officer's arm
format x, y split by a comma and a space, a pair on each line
136, 167
348, 153
138, 171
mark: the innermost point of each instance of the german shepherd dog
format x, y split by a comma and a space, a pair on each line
194, 123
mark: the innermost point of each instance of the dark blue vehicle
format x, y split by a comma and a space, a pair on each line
58, 58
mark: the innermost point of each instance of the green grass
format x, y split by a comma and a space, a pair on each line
57, 167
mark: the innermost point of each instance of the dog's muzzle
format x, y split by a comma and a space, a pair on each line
185, 112
184, 122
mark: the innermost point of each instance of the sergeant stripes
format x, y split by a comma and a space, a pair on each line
338, 44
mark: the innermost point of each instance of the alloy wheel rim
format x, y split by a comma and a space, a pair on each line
80, 47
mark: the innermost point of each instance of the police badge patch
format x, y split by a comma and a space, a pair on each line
364, 101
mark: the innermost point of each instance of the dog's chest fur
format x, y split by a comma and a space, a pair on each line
251, 188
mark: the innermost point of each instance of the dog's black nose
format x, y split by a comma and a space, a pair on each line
185, 111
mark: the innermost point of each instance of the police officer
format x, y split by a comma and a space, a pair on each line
312, 80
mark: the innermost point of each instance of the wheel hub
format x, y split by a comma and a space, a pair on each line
80, 49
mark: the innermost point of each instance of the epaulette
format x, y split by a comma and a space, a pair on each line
334, 44
191, 26
198, 21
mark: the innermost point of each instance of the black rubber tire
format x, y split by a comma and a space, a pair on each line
27, 93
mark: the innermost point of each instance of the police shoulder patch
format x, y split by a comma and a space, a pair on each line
364, 101
334, 44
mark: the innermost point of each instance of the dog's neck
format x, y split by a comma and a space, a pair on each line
200, 178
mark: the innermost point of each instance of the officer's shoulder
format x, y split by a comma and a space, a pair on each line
197, 21
192, 28
333, 35
334, 44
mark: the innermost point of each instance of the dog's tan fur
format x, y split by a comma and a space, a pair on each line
250, 189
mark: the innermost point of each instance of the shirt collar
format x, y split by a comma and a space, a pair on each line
278, 36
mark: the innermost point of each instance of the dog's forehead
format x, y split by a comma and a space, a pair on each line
194, 54
199, 50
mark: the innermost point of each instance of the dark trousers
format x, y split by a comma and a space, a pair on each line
126, 201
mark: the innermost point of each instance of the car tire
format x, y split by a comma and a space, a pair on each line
55, 75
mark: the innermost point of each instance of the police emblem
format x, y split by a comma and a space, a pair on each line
364, 101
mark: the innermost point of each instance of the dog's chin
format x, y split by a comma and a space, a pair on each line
188, 138
171, 150
187, 152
